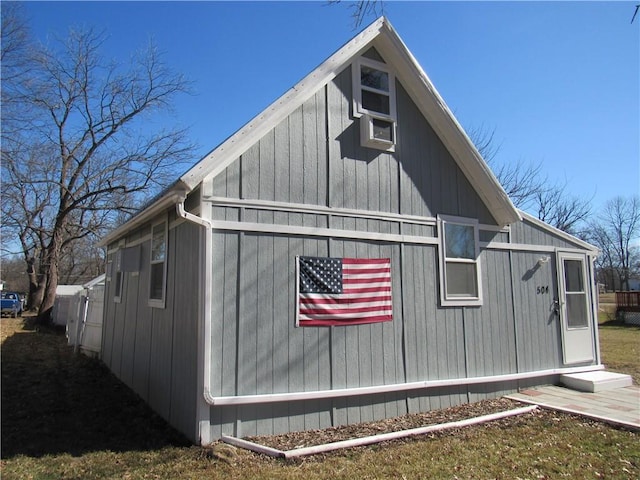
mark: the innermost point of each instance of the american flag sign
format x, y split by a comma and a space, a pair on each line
343, 291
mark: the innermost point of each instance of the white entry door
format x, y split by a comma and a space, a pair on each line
575, 309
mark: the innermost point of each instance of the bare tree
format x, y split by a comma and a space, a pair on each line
521, 181
614, 232
531, 190
13, 274
564, 211
81, 148
362, 9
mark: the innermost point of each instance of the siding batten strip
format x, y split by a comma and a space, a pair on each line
514, 311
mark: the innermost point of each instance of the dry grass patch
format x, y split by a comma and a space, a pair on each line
620, 348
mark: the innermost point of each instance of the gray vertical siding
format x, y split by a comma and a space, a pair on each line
258, 350
537, 326
431, 182
528, 233
314, 157
154, 350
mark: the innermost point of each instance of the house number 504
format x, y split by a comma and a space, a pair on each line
542, 290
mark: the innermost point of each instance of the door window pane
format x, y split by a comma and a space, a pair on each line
573, 276
577, 310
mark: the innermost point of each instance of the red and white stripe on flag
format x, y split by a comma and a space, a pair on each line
365, 296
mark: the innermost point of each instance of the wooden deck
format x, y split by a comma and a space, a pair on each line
620, 406
628, 301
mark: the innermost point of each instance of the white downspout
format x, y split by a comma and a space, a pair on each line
82, 322
382, 437
204, 354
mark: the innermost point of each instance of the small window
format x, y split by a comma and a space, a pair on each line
459, 262
158, 265
374, 103
117, 276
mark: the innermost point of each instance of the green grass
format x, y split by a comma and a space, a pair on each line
67, 417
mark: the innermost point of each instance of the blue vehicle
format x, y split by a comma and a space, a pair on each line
11, 304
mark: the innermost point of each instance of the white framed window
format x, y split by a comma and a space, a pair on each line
118, 277
374, 103
460, 276
123, 260
158, 265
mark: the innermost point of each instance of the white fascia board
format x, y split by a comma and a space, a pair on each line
96, 281
227, 152
442, 120
560, 233
166, 201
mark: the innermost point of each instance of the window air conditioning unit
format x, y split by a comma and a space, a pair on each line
377, 133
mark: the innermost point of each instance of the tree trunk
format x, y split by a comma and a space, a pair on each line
52, 274
36, 286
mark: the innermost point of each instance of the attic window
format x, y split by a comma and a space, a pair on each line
374, 103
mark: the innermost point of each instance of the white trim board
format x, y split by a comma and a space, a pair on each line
320, 232
396, 387
524, 247
283, 229
321, 210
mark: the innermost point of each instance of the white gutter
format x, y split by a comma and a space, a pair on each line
397, 387
145, 215
383, 437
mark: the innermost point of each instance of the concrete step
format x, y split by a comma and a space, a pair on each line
597, 381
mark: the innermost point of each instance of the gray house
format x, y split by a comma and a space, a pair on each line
346, 256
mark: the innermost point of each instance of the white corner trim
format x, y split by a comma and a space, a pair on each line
203, 428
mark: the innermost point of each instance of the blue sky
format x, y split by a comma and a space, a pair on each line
559, 82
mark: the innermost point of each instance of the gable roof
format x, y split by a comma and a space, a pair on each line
381, 35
